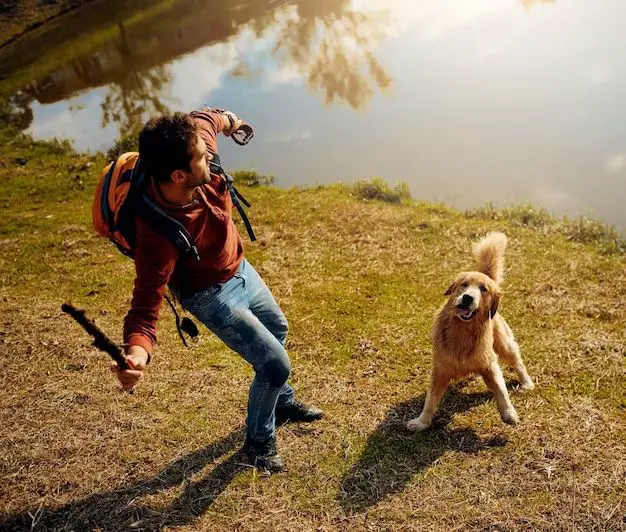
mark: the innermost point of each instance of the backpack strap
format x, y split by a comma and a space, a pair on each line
105, 209
236, 196
176, 233
172, 229
216, 167
169, 227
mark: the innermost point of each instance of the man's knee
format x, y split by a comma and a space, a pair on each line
277, 371
282, 330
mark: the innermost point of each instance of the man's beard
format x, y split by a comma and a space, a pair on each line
193, 182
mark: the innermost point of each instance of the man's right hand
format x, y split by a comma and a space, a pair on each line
137, 359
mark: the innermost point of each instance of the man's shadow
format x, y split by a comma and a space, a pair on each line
392, 455
116, 509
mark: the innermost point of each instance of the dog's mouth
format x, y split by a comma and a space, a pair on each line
465, 313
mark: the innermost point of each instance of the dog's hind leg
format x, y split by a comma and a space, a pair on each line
438, 386
508, 351
495, 382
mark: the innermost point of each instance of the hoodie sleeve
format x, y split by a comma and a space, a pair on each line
155, 260
209, 125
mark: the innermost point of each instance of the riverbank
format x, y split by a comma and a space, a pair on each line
359, 272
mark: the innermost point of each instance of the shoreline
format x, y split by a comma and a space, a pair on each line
583, 229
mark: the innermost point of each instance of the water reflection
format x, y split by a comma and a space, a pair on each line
16, 110
530, 3
137, 95
327, 42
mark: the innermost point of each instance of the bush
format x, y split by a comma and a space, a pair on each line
252, 178
584, 230
378, 189
587, 231
127, 142
524, 214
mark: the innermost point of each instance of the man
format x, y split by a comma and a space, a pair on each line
222, 290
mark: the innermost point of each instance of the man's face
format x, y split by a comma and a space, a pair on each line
199, 166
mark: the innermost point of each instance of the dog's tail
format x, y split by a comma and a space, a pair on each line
489, 254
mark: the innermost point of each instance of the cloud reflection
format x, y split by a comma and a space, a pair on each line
530, 3
616, 164
334, 49
328, 45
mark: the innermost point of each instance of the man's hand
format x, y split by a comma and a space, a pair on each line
234, 123
137, 358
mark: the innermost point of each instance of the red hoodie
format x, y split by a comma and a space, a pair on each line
208, 219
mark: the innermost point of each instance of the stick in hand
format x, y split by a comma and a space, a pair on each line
101, 340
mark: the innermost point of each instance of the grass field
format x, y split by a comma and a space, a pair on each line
359, 280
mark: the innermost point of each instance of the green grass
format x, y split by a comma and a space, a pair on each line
69, 32
251, 178
18, 17
359, 280
583, 229
378, 189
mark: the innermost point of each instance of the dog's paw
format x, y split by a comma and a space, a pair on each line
510, 417
527, 385
417, 425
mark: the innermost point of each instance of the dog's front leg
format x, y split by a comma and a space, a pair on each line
438, 386
495, 382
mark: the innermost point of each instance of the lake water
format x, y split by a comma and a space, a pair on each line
469, 101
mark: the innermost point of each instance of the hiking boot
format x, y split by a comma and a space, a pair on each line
263, 454
297, 411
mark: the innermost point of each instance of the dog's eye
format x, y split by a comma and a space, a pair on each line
482, 288
464, 285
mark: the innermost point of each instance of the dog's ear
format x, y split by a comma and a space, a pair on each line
495, 301
450, 289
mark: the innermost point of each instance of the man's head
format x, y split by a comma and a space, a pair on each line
172, 151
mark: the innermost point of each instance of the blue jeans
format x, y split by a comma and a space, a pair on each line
243, 313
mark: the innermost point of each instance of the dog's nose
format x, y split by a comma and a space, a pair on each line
467, 300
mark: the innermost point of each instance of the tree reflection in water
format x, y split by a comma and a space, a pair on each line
16, 110
328, 43
332, 46
138, 95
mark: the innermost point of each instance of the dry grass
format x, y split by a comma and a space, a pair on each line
359, 282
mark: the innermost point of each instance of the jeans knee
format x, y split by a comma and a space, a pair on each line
283, 330
277, 371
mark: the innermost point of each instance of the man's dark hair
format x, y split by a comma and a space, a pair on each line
165, 145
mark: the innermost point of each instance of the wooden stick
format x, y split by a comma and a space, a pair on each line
101, 341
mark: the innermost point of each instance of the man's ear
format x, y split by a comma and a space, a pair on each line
495, 301
178, 176
450, 289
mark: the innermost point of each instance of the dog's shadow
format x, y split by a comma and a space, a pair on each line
118, 509
392, 455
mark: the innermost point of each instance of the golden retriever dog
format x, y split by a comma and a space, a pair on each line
470, 335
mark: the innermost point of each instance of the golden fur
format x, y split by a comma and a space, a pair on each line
470, 335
